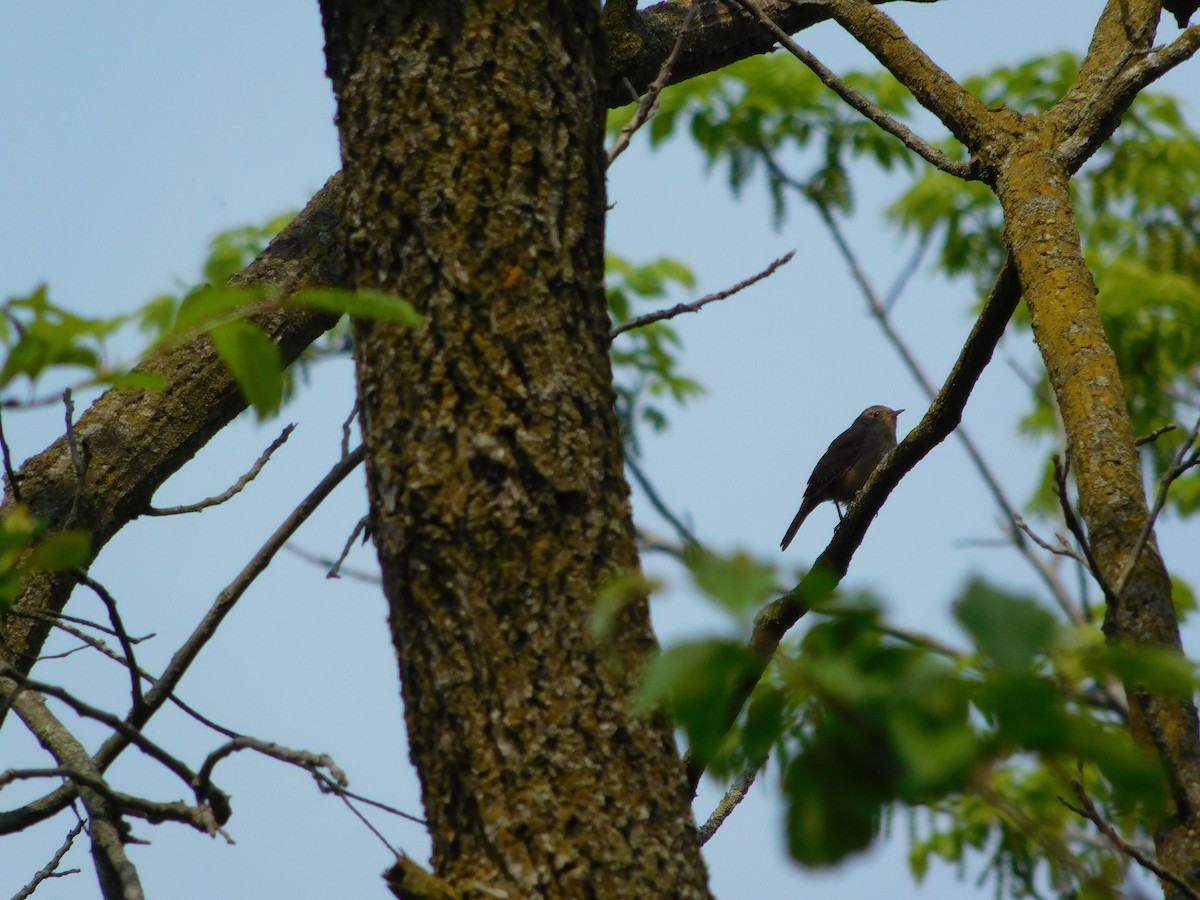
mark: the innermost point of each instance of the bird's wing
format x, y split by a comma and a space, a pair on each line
836, 461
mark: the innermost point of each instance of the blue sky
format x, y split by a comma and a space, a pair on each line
132, 134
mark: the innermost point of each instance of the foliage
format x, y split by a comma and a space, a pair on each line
645, 359
1136, 201
25, 549
747, 113
39, 336
864, 720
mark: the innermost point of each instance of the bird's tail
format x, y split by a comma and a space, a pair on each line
805, 508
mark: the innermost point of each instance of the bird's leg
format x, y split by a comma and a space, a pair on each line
838, 507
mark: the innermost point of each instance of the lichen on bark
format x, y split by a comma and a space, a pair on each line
472, 139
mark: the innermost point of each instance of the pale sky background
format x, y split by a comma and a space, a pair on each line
130, 134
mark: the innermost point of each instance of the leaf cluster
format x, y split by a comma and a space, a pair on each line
1137, 201
863, 720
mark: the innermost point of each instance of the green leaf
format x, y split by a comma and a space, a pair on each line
1155, 668
1011, 631
61, 551
738, 583
694, 682
362, 304
254, 361
614, 595
208, 304
135, 381
836, 790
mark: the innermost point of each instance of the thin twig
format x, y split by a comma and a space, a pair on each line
859, 101
9, 472
335, 570
685, 533
1087, 809
50, 870
79, 457
1061, 469
1181, 464
1061, 550
104, 649
233, 592
736, 793
114, 617
130, 733
1153, 435
333, 567
346, 429
649, 104
233, 490
334, 788
116, 873
697, 305
163, 689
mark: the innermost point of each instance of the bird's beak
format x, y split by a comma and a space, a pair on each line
896, 412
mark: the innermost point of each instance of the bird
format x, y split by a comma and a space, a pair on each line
845, 467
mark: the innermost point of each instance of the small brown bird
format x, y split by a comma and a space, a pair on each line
848, 463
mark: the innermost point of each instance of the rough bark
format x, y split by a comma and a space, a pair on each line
494, 466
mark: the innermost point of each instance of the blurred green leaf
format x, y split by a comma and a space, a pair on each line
1009, 630
362, 304
61, 551
208, 305
254, 361
739, 583
694, 681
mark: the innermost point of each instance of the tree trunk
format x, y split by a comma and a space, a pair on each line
474, 187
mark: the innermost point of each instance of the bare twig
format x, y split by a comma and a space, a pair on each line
163, 689
1061, 469
130, 733
332, 787
346, 429
50, 870
233, 592
333, 567
1060, 550
736, 793
335, 570
122, 635
1185, 459
115, 871
1087, 809
104, 649
685, 533
649, 104
1153, 435
328, 775
304, 759
9, 472
154, 811
858, 101
233, 490
79, 456
697, 305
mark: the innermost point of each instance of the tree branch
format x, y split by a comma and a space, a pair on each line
858, 101
697, 305
234, 489
942, 417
